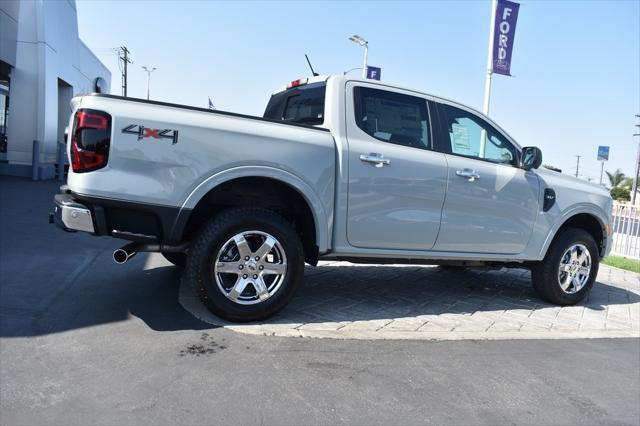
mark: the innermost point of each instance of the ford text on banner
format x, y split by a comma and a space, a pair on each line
503, 36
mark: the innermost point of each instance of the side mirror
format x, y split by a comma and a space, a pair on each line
531, 158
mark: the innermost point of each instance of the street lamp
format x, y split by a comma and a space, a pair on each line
364, 43
149, 71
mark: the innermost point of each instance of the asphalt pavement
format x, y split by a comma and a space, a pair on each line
85, 341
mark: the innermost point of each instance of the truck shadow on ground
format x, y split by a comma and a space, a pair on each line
150, 295
329, 294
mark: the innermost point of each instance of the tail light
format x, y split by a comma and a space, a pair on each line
90, 140
298, 82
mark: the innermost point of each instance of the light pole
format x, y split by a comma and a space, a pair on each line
364, 43
149, 71
635, 176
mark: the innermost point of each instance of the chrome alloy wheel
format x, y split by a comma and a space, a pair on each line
574, 269
250, 267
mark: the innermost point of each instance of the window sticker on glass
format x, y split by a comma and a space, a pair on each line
382, 135
460, 137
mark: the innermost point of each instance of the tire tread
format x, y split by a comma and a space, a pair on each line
210, 232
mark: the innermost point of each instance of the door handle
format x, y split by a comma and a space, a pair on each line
469, 174
376, 159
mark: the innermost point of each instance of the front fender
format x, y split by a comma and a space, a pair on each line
320, 216
590, 209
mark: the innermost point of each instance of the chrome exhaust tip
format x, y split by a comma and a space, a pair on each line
122, 255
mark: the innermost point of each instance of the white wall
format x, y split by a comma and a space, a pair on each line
8, 30
48, 49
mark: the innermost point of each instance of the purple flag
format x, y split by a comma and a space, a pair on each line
503, 36
374, 73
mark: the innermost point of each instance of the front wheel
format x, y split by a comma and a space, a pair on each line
245, 264
569, 269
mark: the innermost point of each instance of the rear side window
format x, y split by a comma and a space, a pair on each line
392, 117
301, 104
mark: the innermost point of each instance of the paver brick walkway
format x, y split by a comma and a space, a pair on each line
341, 300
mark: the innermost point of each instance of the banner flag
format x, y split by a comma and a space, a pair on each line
503, 36
374, 73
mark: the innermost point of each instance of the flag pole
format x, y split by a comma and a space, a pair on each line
487, 81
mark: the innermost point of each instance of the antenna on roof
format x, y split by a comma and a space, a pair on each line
315, 74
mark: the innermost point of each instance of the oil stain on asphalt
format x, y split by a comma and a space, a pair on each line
207, 346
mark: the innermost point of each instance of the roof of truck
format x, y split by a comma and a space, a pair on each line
345, 77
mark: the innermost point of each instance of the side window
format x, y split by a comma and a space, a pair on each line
473, 137
392, 117
300, 104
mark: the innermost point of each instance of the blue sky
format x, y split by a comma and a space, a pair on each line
576, 64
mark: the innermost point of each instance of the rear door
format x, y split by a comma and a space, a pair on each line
491, 204
397, 182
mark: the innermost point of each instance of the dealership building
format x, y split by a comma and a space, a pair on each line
43, 64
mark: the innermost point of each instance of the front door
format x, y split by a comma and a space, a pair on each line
397, 183
491, 204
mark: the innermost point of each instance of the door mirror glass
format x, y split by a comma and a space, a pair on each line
531, 157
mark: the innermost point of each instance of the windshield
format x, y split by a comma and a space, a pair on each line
301, 104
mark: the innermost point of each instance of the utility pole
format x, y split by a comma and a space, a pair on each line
637, 174
124, 57
578, 164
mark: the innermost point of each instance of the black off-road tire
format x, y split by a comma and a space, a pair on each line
210, 239
178, 259
544, 274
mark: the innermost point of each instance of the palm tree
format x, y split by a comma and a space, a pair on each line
616, 178
627, 183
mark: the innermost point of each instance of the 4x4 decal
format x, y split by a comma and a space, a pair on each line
147, 132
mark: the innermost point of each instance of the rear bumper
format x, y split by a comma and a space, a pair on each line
143, 223
70, 215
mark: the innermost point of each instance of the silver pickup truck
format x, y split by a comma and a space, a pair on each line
337, 168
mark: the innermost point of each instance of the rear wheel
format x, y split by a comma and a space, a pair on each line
568, 271
245, 264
